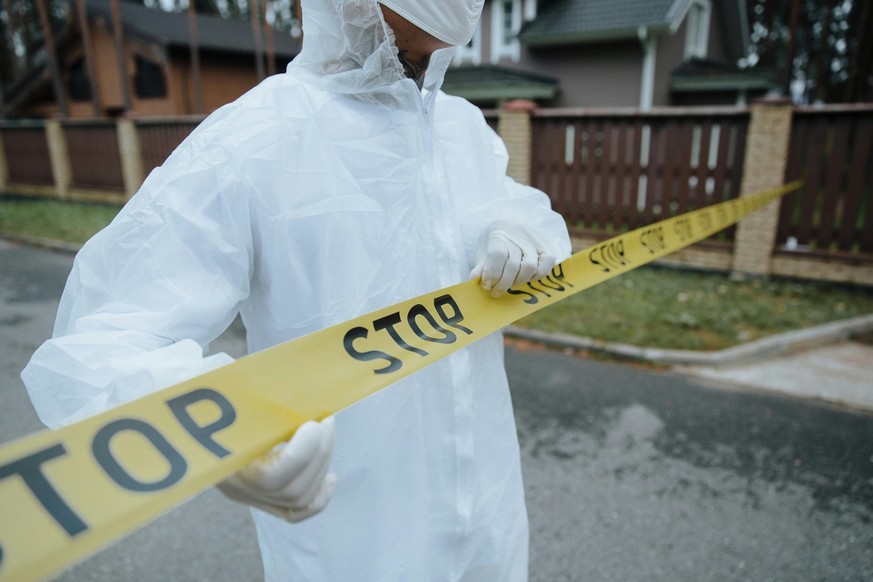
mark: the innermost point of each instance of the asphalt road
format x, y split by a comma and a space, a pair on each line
631, 474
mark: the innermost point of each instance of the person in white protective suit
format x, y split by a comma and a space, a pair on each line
347, 184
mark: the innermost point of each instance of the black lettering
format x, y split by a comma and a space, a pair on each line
28, 468
537, 289
617, 252
594, 261
394, 364
611, 256
419, 310
548, 279
387, 323
100, 447
558, 273
456, 318
531, 299
659, 238
644, 240
203, 434
682, 228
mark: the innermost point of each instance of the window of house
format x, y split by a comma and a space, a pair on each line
697, 29
77, 84
472, 51
505, 24
149, 80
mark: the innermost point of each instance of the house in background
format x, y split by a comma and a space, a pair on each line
608, 53
158, 58
559, 53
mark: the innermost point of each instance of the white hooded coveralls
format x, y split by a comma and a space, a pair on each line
324, 193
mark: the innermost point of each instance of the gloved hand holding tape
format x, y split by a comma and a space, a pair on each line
65, 494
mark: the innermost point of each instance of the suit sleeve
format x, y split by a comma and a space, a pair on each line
510, 200
147, 294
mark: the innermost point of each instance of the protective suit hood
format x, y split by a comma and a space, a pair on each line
348, 48
451, 21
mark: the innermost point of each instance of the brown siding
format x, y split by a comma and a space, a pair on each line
224, 78
603, 75
227, 78
107, 66
717, 48
671, 53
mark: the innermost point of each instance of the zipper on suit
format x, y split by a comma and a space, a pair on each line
440, 204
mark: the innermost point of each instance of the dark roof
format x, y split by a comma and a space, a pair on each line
496, 83
711, 75
561, 21
170, 29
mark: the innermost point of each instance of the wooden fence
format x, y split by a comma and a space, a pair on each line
88, 142
25, 147
607, 171
610, 172
85, 159
159, 137
832, 151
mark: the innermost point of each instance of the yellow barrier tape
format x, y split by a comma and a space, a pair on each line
65, 494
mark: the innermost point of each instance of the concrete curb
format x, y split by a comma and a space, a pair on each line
43, 243
761, 349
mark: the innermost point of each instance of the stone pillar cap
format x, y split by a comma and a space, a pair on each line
772, 100
520, 105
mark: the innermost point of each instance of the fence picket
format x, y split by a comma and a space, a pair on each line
833, 180
860, 177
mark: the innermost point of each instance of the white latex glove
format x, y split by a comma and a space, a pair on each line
508, 255
290, 481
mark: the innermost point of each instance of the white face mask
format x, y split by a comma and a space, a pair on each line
451, 21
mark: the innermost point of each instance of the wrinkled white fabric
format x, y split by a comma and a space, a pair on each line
324, 193
451, 21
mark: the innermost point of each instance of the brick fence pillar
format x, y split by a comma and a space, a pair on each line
131, 158
764, 167
59, 158
514, 126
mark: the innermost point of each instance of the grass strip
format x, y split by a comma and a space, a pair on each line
697, 310
53, 219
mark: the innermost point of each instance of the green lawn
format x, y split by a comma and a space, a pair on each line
679, 309
650, 306
51, 219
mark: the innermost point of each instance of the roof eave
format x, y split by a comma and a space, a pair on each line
720, 84
494, 93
